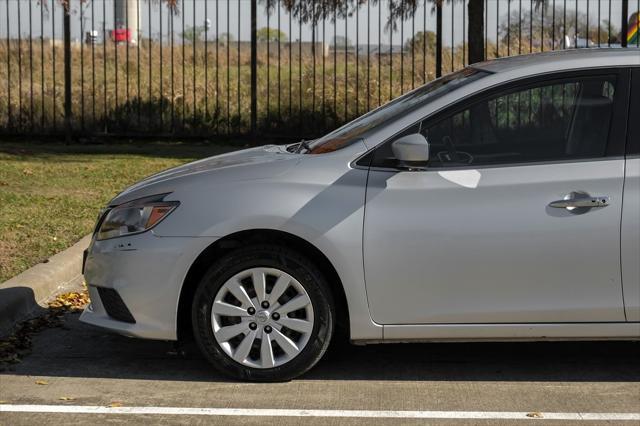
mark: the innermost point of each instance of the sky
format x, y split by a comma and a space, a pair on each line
238, 12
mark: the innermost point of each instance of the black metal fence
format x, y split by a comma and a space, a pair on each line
276, 68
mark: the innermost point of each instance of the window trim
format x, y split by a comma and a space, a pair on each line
616, 142
633, 145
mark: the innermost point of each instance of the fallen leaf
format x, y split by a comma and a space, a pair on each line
535, 414
115, 404
67, 398
41, 382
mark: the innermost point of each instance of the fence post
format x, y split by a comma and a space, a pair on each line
67, 71
254, 67
438, 39
625, 23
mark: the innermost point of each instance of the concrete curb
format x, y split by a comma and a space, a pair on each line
26, 294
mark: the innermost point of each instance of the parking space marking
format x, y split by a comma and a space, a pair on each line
276, 412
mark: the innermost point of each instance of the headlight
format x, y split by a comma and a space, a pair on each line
135, 217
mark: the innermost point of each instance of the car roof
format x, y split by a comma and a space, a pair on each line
563, 60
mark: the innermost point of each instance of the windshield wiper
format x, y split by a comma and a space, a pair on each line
301, 145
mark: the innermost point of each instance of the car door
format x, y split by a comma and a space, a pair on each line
631, 209
489, 231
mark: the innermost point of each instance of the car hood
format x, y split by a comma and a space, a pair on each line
248, 164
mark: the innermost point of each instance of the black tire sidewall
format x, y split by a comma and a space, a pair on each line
267, 256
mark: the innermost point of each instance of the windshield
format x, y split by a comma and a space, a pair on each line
352, 131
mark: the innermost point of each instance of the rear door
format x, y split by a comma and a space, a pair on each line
631, 208
495, 229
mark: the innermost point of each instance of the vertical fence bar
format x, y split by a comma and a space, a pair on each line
184, 72
254, 68
576, 28
128, 35
218, 115
625, 23
379, 53
300, 72
228, 42
508, 50
368, 55
81, 68
609, 26
67, 72
357, 57
335, 58
324, 31
279, 66
150, 106
424, 42
115, 60
314, 36
402, 47
239, 119
519, 34
413, 50
390, 51
599, 25
93, 65
486, 30
452, 36
497, 29
170, 28
20, 69
42, 83
530, 30
195, 41
161, 100
138, 24
587, 37
268, 97
9, 124
104, 63
30, 67
438, 40
464, 27
206, 60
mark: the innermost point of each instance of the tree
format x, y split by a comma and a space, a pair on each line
193, 34
316, 10
553, 31
270, 34
418, 41
225, 38
341, 41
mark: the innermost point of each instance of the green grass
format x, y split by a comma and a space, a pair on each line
50, 194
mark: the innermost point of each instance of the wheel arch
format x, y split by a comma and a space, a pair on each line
255, 236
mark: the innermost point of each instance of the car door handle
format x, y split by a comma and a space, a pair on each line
576, 200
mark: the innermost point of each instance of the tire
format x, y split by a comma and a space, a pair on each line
312, 325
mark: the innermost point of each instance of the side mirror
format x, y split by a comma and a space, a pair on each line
412, 150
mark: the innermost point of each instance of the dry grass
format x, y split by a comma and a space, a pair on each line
154, 91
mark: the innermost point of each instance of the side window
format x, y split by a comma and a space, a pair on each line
633, 141
562, 120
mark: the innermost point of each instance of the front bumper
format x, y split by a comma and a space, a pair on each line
147, 272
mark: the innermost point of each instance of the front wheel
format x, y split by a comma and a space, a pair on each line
263, 313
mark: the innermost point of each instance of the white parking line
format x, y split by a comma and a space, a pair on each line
275, 412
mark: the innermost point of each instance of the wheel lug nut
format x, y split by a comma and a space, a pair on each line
253, 325
251, 311
265, 304
267, 329
275, 316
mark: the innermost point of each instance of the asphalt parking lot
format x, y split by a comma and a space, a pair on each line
80, 366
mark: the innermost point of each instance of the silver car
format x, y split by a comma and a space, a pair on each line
501, 202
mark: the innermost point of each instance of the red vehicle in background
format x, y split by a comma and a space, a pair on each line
121, 35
